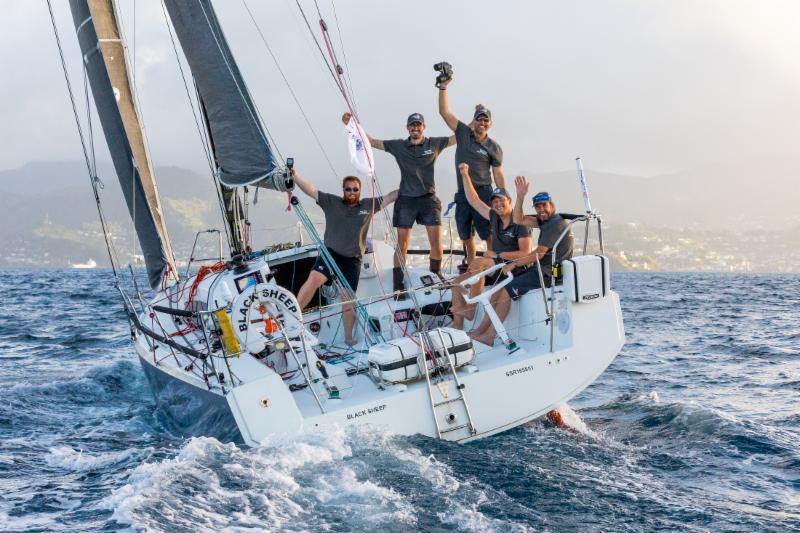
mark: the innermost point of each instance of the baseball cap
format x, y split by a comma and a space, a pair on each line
415, 117
542, 197
481, 110
499, 191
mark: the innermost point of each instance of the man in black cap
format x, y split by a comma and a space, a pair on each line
508, 241
551, 226
485, 159
417, 200
347, 219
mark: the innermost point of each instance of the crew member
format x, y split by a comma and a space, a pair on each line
485, 159
509, 241
347, 220
417, 201
551, 227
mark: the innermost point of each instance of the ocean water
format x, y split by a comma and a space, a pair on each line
695, 426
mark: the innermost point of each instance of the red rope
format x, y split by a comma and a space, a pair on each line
342, 88
202, 273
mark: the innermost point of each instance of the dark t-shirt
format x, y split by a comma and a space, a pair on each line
416, 163
480, 156
346, 226
506, 239
549, 232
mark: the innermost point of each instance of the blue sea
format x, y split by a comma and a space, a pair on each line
695, 426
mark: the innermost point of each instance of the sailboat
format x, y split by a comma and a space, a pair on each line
91, 263
225, 346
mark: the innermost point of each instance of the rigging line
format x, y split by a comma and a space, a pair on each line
92, 176
360, 310
344, 53
200, 130
374, 178
203, 141
308, 25
133, 70
334, 58
289, 86
302, 31
131, 78
95, 179
258, 121
89, 123
218, 187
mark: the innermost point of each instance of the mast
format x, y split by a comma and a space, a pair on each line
232, 206
106, 63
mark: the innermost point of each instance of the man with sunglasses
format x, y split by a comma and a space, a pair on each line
417, 200
485, 159
551, 225
347, 220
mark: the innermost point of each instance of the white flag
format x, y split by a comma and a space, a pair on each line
360, 149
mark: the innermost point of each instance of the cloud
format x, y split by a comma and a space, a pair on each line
633, 87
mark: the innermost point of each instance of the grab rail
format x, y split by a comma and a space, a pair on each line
483, 299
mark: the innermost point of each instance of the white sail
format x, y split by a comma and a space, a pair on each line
98, 31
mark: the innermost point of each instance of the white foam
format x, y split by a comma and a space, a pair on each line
275, 486
572, 420
654, 397
80, 461
650, 397
461, 499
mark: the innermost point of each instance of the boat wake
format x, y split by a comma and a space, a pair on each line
364, 477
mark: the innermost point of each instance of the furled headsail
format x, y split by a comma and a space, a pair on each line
106, 64
241, 148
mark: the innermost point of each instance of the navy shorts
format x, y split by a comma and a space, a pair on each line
350, 267
469, 221
425, 210
525, 282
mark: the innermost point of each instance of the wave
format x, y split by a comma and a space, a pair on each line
79, 461
284, 481
316, 481
691, 425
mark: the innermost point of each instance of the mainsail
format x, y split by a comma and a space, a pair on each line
105, 59
241, 149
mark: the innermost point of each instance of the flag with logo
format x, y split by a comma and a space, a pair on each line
360, 149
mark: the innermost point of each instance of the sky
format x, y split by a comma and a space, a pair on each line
639, 88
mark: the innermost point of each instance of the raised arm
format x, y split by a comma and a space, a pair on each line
305, 185
390, 197
472, 196
375, 143
499, 176
444, 108
519, 215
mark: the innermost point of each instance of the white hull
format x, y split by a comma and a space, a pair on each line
500, 390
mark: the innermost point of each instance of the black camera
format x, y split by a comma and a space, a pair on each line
445, 71
288, 181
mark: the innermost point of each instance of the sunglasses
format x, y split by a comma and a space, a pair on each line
482, 119
350, 189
